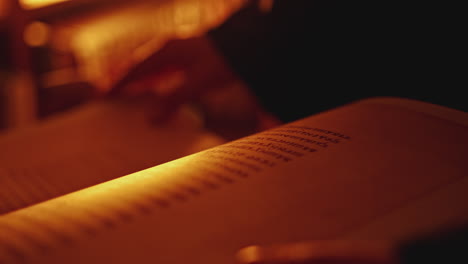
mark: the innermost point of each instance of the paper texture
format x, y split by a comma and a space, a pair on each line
342, 173
94, 143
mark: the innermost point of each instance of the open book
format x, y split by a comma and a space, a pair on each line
377, 168
91, 144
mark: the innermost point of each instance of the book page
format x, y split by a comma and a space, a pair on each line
91, 144
342, 173
436, 111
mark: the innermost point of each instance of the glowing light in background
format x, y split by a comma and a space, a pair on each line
36, 34
187, 18
4, 8
266, 5
31, 4
137, 32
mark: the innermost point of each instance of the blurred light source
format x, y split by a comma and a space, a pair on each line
4, 8
266, 5
31, 4
36, 34
187, 18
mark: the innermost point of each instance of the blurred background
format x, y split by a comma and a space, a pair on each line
57, 54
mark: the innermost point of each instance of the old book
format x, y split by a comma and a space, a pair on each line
380, 168
91, 144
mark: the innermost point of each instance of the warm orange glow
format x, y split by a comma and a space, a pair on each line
36, 34
4, 8
145, 28
187, 18
169, 83
266, 5
31, 4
